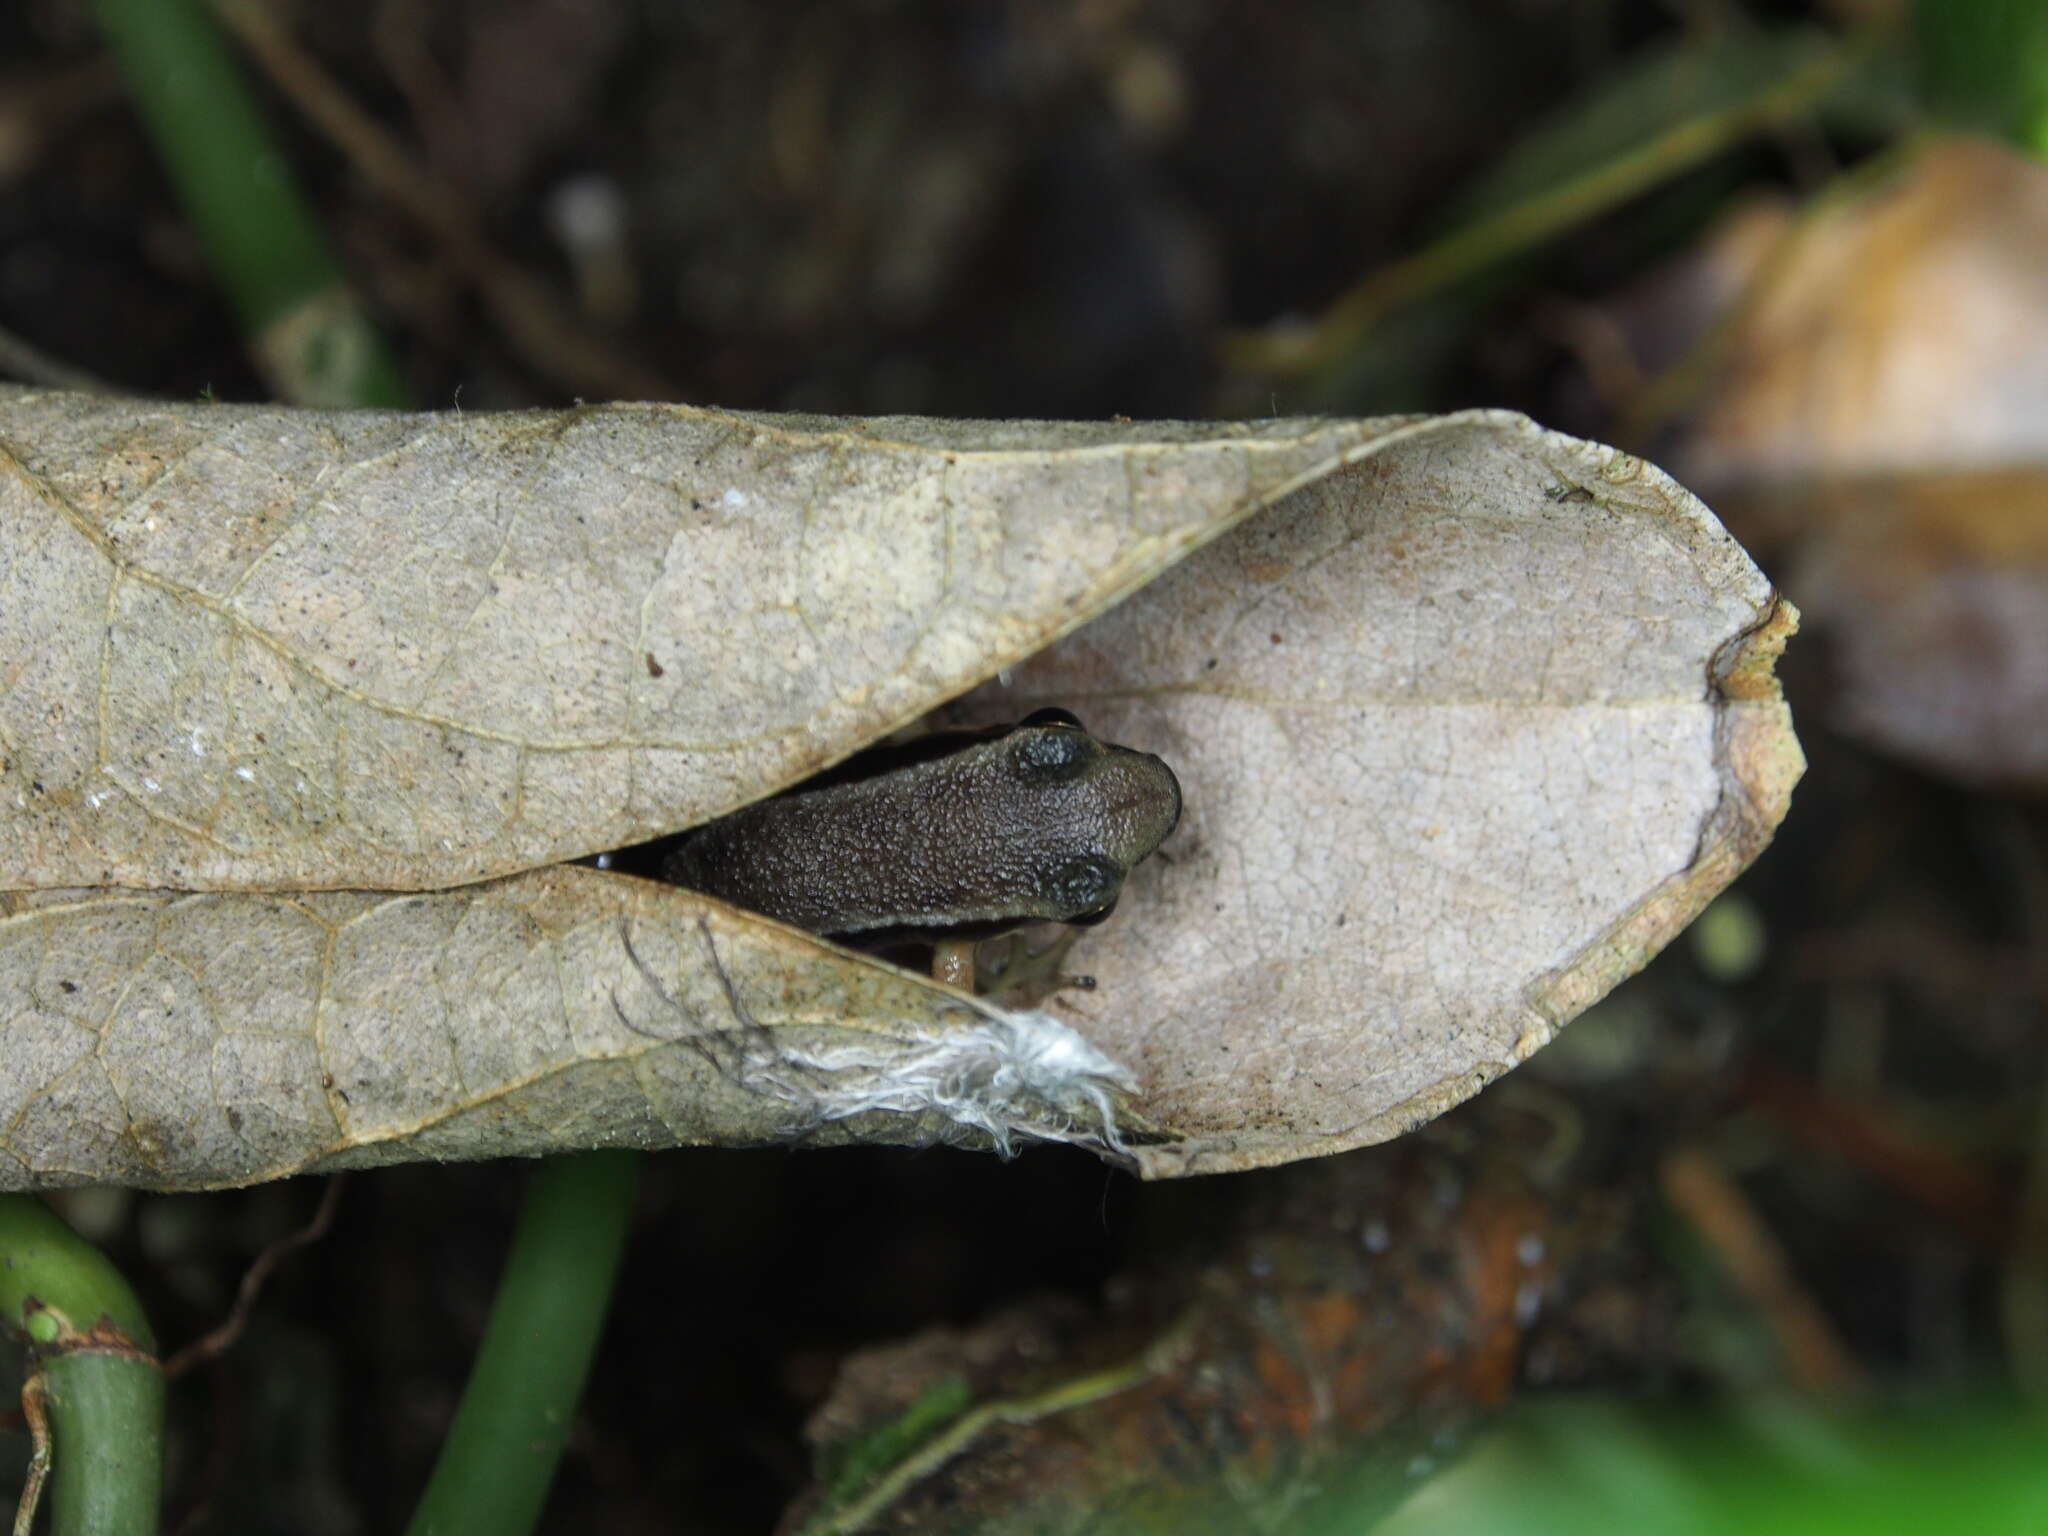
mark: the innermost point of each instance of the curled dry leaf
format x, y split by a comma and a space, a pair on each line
300, 715
263, 649
1466, 733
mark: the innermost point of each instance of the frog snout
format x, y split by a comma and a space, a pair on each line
1151, 801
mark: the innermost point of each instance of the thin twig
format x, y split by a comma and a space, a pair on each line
211, 1345
1065, 1397
35, 1411
1293, 351
533, 320
24, 360
1882, 1144
1721, 1214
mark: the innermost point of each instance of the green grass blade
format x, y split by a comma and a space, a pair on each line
500, 1455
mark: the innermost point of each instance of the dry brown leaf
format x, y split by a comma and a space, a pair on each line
1468, 730
1885, 410
261, 648
196, 1039
1466, 734
1903, 330
1935, 591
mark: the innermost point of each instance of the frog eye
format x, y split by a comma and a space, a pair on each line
1054, 717
1093, 916
1050, 754
1086, 888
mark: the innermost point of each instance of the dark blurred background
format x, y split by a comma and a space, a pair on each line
1077, 208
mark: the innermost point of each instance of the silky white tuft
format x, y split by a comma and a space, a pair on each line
996, 1075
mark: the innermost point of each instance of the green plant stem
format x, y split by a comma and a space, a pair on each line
500, 1454
1530, 222
261, 239
106, 1421
46, 1265
1063, 1397
92, 1359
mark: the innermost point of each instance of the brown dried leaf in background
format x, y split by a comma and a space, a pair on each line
1935, 590
1885, 412
1906, 330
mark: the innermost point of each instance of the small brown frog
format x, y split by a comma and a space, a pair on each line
976, 833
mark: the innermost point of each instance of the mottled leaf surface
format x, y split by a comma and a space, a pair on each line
300, 714
249, 648
1467, 733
